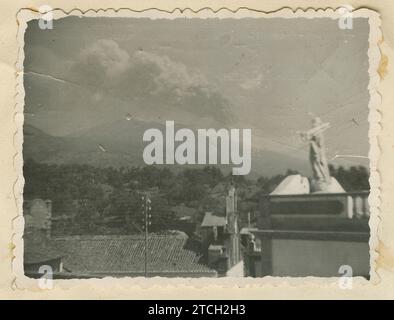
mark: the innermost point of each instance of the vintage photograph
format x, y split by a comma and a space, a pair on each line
196, 147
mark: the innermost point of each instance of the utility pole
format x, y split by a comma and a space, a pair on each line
146, 209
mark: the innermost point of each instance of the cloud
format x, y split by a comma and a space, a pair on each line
171, 76
100, 63
147, 76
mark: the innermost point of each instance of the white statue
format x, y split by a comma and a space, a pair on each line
317, 154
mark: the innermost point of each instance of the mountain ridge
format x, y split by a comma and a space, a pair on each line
116, 144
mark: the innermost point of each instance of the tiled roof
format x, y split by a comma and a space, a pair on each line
212, 220
106, 255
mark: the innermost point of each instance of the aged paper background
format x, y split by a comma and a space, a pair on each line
381, 288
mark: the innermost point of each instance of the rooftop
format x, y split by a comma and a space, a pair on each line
168, 254
213, 220
182, 211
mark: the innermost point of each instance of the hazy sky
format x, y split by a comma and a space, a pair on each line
271, 75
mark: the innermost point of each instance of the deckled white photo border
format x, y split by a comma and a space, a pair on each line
24, 283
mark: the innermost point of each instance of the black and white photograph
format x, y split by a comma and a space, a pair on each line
196, 147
